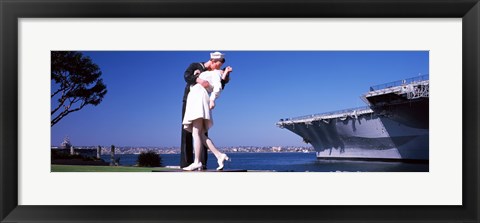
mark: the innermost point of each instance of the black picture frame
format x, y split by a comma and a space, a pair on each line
11, 11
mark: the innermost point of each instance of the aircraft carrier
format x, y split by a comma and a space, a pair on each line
394, 126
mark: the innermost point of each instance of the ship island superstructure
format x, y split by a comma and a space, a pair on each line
394, 126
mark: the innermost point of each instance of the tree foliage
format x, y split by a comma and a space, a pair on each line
149, 159
76, 83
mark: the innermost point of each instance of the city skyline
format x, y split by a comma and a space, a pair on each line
145, 89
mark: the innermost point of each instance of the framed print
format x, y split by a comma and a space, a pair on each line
443, 33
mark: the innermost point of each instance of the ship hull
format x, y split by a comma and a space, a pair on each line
398, 132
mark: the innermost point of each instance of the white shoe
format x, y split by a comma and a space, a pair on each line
194, 166
221, 161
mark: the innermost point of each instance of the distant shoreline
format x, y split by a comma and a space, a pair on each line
209, 152
176, 150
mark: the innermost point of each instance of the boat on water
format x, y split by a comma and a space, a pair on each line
393, 126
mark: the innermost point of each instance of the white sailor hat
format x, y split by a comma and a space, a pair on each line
217, 55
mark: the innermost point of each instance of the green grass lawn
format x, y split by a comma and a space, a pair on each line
73, 168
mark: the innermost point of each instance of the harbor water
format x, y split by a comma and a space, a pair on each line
286, 162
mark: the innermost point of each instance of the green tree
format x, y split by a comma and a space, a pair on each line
149, 159
76, 83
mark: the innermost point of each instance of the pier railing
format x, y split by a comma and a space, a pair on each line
400, 82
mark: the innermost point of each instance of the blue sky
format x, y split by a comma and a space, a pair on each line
145, 90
